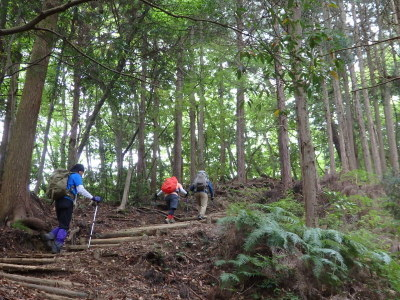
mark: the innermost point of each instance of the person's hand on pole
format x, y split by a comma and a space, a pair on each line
96, 200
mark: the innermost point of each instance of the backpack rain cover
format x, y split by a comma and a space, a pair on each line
170, 185
200, 182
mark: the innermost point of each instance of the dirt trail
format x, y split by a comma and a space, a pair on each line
132, 256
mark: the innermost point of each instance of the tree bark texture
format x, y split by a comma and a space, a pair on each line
14, 198
177, 157
240, 99
367, 107
307, 161
328, 118
283, 133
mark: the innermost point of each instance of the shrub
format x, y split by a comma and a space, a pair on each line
274, 237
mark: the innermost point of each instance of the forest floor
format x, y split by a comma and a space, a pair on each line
159, 261
133, 255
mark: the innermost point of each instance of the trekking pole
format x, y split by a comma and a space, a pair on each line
91, 230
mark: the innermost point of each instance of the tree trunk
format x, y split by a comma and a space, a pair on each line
308, 167
14, 201
386, 95
202, 101
374, 97
125, 195
367, 105
177, 157
53, 98
222, 136
360, 120
92, 118
283, 135
193, 138
141, 162
3, 55
240, 103
328, 118
9, 118
73, 136
156, 139
351, 149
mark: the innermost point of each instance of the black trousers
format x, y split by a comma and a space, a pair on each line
64, 210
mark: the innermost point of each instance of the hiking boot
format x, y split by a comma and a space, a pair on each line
48, 238
201, 217
56, 248
169, 221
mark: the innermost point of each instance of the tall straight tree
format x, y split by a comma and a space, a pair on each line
240, 96
307, 155
342, 128
328, 118
141, 162
283, 133
10, 112
156, 139
177, 157
201, 107
367, 106
388, 110
14, 197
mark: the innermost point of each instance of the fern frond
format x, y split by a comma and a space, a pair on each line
325, 252
277, 236
332, 235
312, 236
220, 262
381, 256
226, 220
229, 278
241, 260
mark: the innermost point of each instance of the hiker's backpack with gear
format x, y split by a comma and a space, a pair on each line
200, 182
57, 186
170, 185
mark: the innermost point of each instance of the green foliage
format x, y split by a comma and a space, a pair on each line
353, 211
20, 226
329, 254
290, 204
392, 188
359, 177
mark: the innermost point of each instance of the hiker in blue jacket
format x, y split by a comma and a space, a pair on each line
65, 206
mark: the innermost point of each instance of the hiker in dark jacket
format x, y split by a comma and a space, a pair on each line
65, 206
201, 187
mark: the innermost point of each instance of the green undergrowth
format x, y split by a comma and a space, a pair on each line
280, 257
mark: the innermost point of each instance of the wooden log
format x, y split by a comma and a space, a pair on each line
117, 240
84, 247
24, 261
148, 230
55, 297
42, 281
28, 268
32, 255
55, 290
